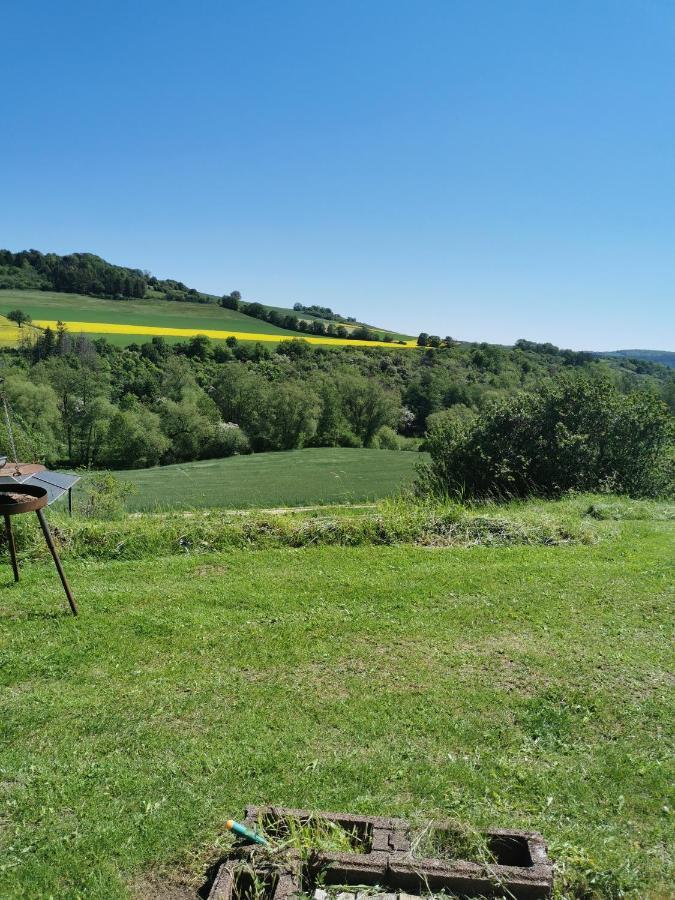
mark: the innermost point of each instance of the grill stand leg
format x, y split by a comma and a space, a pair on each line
12, 546
57, 561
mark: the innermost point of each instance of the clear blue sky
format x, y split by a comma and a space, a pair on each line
488, 170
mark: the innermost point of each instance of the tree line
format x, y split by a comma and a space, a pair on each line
79, 402
313, 326
323, 312
76, 273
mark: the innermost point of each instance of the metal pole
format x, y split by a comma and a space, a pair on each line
57, 561
12, 546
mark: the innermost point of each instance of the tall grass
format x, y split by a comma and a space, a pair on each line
392, 522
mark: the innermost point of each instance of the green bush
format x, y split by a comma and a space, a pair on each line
386, 439
102, 496
230, 440
573, 434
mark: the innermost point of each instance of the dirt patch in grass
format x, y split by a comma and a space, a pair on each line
328, 681
210, 571
502, 660
158, 887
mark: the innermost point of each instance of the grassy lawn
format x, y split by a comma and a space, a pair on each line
521, 686
295, 478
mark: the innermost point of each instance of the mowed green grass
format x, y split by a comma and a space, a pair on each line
518, 687
152, 312
294, 478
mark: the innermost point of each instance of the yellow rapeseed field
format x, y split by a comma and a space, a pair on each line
9, 333
150, 330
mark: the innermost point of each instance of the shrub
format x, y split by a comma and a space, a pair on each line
230, 440
386, 439
102, 496
575, 433
134, 439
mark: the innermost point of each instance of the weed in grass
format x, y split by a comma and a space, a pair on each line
451, 841
252, 881
313, 835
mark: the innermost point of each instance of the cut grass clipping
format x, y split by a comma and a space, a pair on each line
393, 522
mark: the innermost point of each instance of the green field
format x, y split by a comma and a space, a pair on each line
522, 686
152, 312
294, 478
160, 313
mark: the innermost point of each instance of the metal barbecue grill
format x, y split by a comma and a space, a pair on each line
30, 487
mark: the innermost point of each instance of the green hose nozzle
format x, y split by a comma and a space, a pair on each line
246, 833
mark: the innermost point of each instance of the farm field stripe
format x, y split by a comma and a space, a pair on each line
216, 334
9, 333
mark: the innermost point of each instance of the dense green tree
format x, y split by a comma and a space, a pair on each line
362, 333
239, 393
332, 429
199, 347
288, 419
575, 433
19, 316
427, 392
295, 348
366, 405
82, 388
190, 431
34, 408
134, 439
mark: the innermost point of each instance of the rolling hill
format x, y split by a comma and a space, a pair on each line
51, 287
662, 357
135, 320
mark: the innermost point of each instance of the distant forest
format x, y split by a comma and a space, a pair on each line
81, 402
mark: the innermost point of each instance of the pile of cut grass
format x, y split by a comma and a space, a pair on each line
392, 522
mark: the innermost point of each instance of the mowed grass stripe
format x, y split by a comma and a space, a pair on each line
215, 334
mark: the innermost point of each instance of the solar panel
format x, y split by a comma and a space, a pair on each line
10, 477
55, 483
